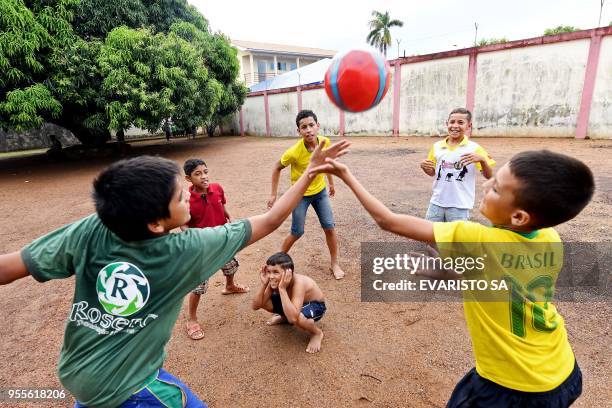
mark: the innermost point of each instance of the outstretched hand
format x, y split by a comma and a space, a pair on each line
330, 166
319, 156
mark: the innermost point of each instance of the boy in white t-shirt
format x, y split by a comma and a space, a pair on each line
453, 163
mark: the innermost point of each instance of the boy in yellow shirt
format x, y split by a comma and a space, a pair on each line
522, 353
317, 195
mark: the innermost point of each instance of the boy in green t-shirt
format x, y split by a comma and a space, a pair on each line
523, 356
131, 276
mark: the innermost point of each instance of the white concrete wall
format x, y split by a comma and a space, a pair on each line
328, 115
254, 116
532, 91
283, 108
600, 120
235, 121
377, 121
429, 91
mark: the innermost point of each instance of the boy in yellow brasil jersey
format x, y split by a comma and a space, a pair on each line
523, 357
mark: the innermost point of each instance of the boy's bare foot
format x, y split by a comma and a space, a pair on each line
235, 289
194, 331
337, 271
276, 319
314, 345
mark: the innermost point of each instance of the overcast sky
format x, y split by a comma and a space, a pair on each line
429, 25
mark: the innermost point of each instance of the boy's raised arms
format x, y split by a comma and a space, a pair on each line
400, 224
12, 266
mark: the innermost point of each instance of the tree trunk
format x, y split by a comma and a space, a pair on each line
88, 137
210, 130
72, 119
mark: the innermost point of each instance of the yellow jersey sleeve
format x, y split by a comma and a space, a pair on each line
288, 157
431, 156
483, 153
458, 231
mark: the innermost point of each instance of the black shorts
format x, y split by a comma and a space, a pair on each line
476, 391
312, 310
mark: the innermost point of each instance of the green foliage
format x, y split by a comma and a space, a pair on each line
118, 64
22, 108
30, 37
380, 34
163, 13
96, 18
22, 37
560, 29
231, 100
222, 60
491, 41
151, 77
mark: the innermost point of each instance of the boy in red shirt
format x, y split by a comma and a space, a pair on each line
207, 208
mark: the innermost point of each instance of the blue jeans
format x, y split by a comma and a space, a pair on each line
165, 391
322, 206
436, 213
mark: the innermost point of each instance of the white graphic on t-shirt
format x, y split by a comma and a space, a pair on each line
122, 288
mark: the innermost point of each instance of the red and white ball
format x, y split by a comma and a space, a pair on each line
357, 80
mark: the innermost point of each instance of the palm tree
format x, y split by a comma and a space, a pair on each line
380, 36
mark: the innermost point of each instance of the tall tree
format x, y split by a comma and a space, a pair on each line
163, 13
380, 30
151, 77
31, 39
222, 60
96, 18
68, 62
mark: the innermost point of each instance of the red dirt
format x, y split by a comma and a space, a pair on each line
374, 354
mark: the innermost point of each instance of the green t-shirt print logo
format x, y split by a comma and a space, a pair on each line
122, 289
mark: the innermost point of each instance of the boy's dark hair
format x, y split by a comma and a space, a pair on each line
132, 193
554, 188
304, 114
281, 258
191, 164
463, 111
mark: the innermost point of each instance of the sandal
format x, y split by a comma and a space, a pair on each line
237, 289
194, 331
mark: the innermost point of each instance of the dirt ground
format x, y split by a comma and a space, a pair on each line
374, 354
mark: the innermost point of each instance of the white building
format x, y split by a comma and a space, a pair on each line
262, 61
